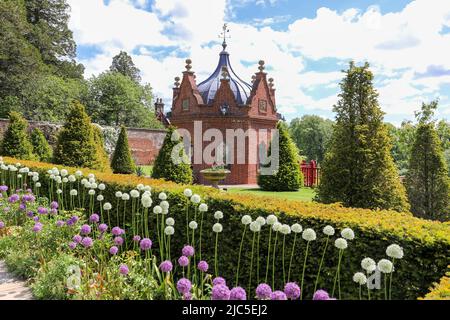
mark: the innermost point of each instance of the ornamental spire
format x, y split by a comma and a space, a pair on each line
223, 35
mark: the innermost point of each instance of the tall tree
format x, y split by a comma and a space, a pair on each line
41, 148
427, 181
123, 64
16, 142
358, 170
311, 134
122, 160
402, 140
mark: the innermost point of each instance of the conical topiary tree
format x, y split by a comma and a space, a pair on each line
427, 180
102, 157
76, 145
16, 142
359, 170
287, 177
41, 148
165, 167
122, 161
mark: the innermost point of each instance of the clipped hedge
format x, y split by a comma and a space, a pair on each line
441, 290
426, 243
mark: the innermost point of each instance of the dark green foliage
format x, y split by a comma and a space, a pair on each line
41, 148
287, 177
122, 161
427, 181
76, 145
123, 64
311, 134
16, 142
402, 141
165, 168
358, 170
102, 157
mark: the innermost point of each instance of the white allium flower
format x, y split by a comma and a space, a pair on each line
100, 197
118, 194
78, 173
125, 196
385, 266
91, 180
169, 230
147, 194
277, 226
360, 278
64, 172
101, 186
348, 234
94, 185
91, 176
134, 194
157, 210
296, 228
35, 178
72, 178
140, 186
309, 234
38, 184
170, 221
394, 251
91, 192
203, 207
218, 215
164, 204
65, 180
217, 227
84, 181
58, 179
187, 193
107, 206
165, 211
193, 225
87, 185
368, 264
162, 196
340, 243
147, 188
73, 192
285, 229
246, 220
55, 171
328, 230
196, 198
52, 177
271, 219
261, 221
255, 226
59, 191
19, 176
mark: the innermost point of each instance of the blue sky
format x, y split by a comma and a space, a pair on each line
305, 44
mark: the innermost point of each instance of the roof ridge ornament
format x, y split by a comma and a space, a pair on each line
261, 65
223, 35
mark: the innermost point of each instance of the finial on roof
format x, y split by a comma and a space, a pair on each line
261, 65
223, 35
188, 64
225, 73
253, 78
271, 83
177, 82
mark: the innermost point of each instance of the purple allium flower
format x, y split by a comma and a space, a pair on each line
220, 292
166, 266
54, 205
87, 242
37, 227
203, 266
14, 198
292, 290
113, 250
28, 198
219, 280
123, 269
3, 188
30, 214
321, 295
238, 294
187, 296
72, 245
53, 211
136, 238
118, 241
94, 218
145, 244
278, 295
42, 210
263, 291
184, 286
36, 218
22, 206
103, 227
2, 224
183, 261
59, 223
77, 238
188, 251
75, 219
85, 229
116, 231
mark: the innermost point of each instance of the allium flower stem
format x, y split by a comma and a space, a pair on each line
268, 254
239, 256
338, 270
385, 287
292, 257
201, 232
257, 266
187, 222
145, 223
390, 279
360, 296
251, 265
216, 268
282, 261
368, 289
117, 211
321, 263
304, 268
273, 260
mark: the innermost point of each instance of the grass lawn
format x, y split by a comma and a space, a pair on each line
147, 170
304, 194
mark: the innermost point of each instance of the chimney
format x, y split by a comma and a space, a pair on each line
159, 107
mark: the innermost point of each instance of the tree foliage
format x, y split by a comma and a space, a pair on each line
102, 156
402, 140
41, 148
122, 160
287, 176
16, 142
123, 64
427, 180
358, 169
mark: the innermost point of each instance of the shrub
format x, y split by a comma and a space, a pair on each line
76, 144
41, 148
165, 168
441, 290
16, 142
122, 161
102, 157
287, 177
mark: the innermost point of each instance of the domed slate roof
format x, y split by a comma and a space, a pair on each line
209, 87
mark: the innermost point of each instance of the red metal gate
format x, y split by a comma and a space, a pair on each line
311, 173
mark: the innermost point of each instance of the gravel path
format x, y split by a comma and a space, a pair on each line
12, 288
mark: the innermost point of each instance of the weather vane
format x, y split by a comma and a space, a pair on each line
223, 35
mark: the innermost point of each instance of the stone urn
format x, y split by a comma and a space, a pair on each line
214, 176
